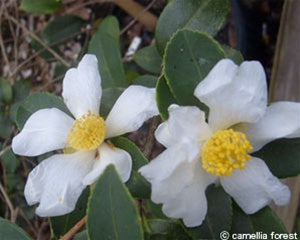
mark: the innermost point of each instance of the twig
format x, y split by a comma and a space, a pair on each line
150, 137
13, 212
23, 215
74, 229
81, 5
138, 13
3, 50
35, 37
4, 150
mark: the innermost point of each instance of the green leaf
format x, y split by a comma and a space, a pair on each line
267, 221
155, 210
112, 213
149, 59
190, 55
5, 126
41, 6
58, 32
233, 54
14, 182
61, 28
241, 222
138, 186
164, 97
10, 231
21, 90
5, 90
145, 80
37, 101
10, 161
218, 217
203, 15
138, 158
264, 221
282, 157
105, 45
169, 229
62, 224
108, 99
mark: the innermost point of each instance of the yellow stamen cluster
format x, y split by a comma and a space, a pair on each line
87, 132
225, 151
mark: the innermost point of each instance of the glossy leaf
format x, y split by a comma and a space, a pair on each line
149, 59
203, 15
10, 231
168, 229
282, 157
138, 158
108, 99
62, 27
164, 97
264, 221
190, 55
138, 186
145, 80
41, 6
112, 213
5, 125
36, 101
233, 54
155, 210
105, 45
62, 224
5, 91
218, 217
267, 221
57, 32
21, 90
10, 161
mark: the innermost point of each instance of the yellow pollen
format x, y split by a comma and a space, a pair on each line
87, 132
225, 151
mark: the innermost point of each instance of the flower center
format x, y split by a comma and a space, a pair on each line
87, 132
225, 151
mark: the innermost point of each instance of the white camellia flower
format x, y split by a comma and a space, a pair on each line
57, 182
200, 153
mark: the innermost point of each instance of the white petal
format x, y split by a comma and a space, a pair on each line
190, 204
255, 187
163, 135
282, 120
110, 155
45, 130
188, 124
82, 87
57, 183
164, 164
133, 107
179, 185
234, 94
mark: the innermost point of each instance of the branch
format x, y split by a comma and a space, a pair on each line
150, 136
138, 12
35, 37
70, 234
